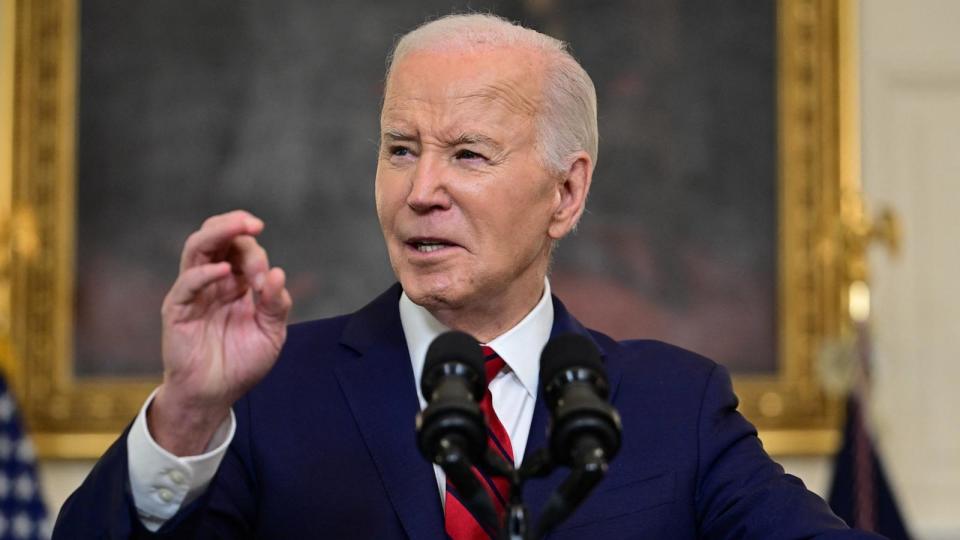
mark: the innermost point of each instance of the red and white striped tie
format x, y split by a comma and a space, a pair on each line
460, 523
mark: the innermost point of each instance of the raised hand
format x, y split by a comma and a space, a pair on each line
224, 322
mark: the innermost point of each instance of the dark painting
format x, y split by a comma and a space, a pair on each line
194, 108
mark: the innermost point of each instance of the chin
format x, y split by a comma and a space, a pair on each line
431, 292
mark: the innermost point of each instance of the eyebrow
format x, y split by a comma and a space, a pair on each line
396, 135
475, 138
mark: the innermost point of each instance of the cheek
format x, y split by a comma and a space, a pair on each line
531, 206
528, 221
383, 200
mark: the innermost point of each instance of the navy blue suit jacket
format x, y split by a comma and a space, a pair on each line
325, 448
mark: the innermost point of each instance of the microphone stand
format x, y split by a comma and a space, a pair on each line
456, 464
589, 468
515, 524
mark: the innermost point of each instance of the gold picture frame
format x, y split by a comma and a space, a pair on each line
71, 418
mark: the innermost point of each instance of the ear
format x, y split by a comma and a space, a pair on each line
572, 188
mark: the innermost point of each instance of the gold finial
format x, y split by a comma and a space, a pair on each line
886, 229
861, 231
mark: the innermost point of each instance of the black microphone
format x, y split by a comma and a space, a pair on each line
584, 428
453, 384
451, 431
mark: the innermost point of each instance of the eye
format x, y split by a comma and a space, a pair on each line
468, 154
399, 151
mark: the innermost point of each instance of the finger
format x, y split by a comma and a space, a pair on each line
216, 235
275, 301
248, 258
193, 281
233, 215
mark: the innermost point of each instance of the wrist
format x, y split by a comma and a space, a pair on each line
182, 426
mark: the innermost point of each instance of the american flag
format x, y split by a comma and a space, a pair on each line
23, 514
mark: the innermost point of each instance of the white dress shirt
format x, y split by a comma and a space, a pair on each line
514, 389
162, 483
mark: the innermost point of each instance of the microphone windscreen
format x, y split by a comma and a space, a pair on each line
569, 351
454, 346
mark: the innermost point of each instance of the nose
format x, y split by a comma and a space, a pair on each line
428, 185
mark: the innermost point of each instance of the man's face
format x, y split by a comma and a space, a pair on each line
464, 202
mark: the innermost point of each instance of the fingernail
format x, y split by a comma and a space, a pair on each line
258, 281
253, 223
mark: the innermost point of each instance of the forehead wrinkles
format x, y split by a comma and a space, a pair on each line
504, 93
507, 94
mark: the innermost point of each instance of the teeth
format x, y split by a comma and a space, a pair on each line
427, 247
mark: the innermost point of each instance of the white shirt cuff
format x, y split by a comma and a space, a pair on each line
163, 483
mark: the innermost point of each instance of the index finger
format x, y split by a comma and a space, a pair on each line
212, 242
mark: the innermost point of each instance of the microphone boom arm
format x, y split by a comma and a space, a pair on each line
589, 469
456, 464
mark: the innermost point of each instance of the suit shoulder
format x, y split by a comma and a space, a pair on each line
317, 330
653, 356
309, 344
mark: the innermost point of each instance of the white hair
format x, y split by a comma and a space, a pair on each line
567, 122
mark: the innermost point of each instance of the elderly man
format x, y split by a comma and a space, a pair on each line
488, 144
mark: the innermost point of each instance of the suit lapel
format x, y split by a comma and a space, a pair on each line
536, 492
379, 386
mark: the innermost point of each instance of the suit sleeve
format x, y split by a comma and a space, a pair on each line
741, 492
103, 505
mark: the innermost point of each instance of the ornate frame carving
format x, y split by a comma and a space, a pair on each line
73, 418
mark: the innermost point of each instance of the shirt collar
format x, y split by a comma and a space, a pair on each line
519, 346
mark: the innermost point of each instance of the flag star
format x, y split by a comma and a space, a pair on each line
25, 451
22, 526
24, 487
4, 490
3, 525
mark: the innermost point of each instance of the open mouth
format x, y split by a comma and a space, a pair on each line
428, 246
